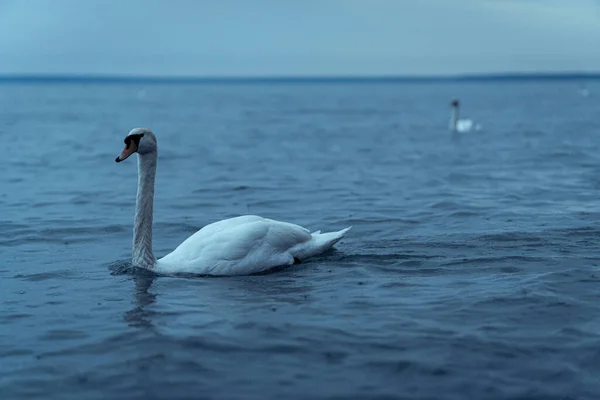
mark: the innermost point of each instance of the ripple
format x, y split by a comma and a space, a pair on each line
512, 237
44, 276
63, 334
489, 260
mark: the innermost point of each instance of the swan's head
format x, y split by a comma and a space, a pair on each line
455, 103
140, 140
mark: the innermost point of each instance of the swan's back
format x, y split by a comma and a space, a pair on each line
467, 125
464, 125
239, 245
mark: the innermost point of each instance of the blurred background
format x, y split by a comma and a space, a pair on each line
268, 37
471, 270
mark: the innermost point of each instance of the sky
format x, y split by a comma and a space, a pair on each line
298, 37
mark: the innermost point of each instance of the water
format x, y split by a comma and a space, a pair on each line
471, 271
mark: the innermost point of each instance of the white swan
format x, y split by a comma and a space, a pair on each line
236, 246
583, 91
461, 125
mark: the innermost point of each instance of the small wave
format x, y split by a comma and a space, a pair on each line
63, 335
64, 236
512, 237
489, 260
44, 276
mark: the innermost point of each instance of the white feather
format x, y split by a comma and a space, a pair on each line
245, 245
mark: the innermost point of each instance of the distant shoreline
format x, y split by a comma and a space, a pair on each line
516, 77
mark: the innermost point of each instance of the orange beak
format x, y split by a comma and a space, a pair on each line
127, 151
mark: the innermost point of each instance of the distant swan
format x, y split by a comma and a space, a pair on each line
583, 91
236, 246
461, 125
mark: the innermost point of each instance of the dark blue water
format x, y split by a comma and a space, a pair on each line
471, 271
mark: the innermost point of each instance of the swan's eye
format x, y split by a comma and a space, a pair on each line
136, 138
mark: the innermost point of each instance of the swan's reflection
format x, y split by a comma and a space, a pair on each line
138, 316
269, 289
456, 137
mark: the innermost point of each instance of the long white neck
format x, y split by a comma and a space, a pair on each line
453, 118
142, 255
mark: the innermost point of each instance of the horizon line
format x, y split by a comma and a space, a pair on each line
340, 78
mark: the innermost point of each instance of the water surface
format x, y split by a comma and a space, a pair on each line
471, 271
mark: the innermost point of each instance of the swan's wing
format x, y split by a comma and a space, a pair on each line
242, 246
226, 224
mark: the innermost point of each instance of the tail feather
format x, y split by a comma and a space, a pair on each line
319, 243
328, 239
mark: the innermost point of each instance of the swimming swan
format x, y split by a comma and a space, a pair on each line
236, 246
461, 125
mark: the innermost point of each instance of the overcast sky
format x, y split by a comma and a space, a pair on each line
298, 37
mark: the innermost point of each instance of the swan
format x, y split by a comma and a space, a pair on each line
583, 91
461, 125
237, 246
